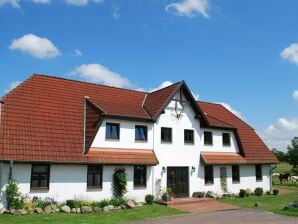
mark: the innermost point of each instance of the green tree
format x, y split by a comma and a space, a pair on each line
281, 156
293, 154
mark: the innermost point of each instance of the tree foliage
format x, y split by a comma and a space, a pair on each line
293, 152
281, 156
14, 197
119, 182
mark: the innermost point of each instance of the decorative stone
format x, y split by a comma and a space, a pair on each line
139, 204
38, 210
17, 212
210, 194
4, 211
123, 206
48, 209
78, 210
65, 209
11, 211
86, 209
108, 208
57, 210
292, 205
73, 210
97, 209
130, 204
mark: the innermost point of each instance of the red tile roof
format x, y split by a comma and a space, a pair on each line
252, 146
220, 158
43, 118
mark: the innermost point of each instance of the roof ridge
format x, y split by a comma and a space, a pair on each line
91, 83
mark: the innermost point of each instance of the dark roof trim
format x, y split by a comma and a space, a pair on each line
115, 116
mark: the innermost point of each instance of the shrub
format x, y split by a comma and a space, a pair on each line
149, 199
275, 191
117, 201
86, 203
201, 194
242, 193
119, 183
14, 197
170, 191
268, 192
29, 207
73, 203
101, 203
259, 191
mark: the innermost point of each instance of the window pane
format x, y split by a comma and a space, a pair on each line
112, 130
258, 172
166, 134
140, 132
40, 176
208, 174
94, 176
140, 176
235, 174
208, 140
188, 136
226, 139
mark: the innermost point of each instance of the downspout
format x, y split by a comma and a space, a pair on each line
153, 193
84, 129
270, 173
10, 170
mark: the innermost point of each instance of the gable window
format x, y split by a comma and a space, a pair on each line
259, 176
94, 176
208, 174
40, 176
166, 134
141, 133
235, 174
112, 131
140, 176
226, 140
188, 136
208, 139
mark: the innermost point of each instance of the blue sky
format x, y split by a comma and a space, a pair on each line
241, 53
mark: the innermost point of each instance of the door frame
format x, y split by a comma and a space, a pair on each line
188, 179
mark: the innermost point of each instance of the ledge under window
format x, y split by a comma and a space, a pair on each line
39, 189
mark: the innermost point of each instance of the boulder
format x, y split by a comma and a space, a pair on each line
65, 209
292, 205
139, 204
17, 212
38, 210
78, 210
123, 206
23, 211
73, 210
108, 208
97, 209
48, 209
86, 209
210, 194
57, 210
130, 204
11, 211
4, 211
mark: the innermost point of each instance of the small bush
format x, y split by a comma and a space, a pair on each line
117, 201
259, 191
242, 193
101, 204
14, 197
149, 199
275, 191
268, 192
73, 203
29, 207
119, 182
86, 203
201, 194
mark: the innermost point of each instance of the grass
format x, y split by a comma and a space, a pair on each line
120, 216
273, 203
283, 167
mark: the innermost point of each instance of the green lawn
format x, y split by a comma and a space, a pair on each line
120, 216
273, 203
283, 167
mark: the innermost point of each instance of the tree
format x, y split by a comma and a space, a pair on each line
293, 153
281, 156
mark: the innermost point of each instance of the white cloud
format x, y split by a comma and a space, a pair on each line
97, 73
295, 95
291, 53
116, 13
36, 46
42, 1
280, 134
82, 2
161, 86
234, 111
12, 86
13, 3
77, 52
189, 8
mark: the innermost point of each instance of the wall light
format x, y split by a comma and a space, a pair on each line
193, 169
163, 169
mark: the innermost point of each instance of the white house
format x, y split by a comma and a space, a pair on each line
63, 139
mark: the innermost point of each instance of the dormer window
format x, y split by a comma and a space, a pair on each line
226, 139
140, 133
166, 134
208, 139
112, 131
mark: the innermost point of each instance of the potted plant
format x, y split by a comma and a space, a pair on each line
165, 196
170, 194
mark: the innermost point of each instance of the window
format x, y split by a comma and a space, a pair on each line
235, 174
140, 176
208, 138
188, 136
40, 176
94, 176
166, 134
259, 176
208, 174
141, 133
112, 130
226, 140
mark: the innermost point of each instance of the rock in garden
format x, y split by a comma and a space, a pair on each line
73, 210
57, 210
86, 209
11, 211
108, 208
123, 206
48, 209
210, 194
97, 209
78, 210
17, 212
4, 211
38, 210
292, 205
130, 204
65, 209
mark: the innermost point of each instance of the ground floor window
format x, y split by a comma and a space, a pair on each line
259, 176
94, 176
40, 176
140, 176
235, 174
208, 174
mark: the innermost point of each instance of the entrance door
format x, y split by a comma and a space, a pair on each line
177, 180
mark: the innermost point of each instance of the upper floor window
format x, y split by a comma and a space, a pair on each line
259, 175
166, 134
235, 174
208, 174
40, 176
141, 133
188, 136
94, 176
208, 139
140, 176
112, 130
226, 140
